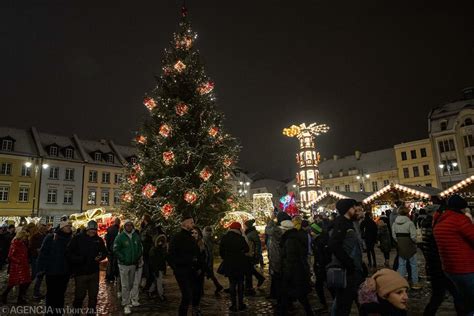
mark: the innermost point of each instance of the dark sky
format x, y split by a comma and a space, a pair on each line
372, 70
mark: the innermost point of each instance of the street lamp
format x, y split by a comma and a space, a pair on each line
449, 167
243, 190
44, 166
362, 177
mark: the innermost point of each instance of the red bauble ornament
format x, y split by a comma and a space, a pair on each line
168, 157
148, 190
141, 139
127, 197
190, 197
165, 130
213, 131
181, 109
167, 210
206, 87
205, 173
149, 103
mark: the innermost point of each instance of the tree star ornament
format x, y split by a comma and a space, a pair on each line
149, 103
148, 190
179, 66
205, 173
141, 139
167, 210
190, 197
168, 157
181, 109
213, 131
206, 87
165, 130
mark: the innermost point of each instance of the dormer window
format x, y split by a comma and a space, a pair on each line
443, 125
7, 145
69, 153
110, 158
97, 156
133, 160
53, 151
468, 121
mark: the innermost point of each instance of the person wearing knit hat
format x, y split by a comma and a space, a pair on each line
254, 256
235, 226
282, 216
344, 205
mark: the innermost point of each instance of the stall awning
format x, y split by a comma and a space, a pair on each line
464, 187
393, 192
329, 197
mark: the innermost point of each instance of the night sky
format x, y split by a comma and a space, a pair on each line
372, 70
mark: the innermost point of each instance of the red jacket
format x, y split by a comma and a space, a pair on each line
19, 268
454, 234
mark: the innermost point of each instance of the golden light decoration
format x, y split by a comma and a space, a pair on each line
205, 173
181, 109
141, 139
150, 103
165, 130
190, 197
148, 190
168, 157
179, 66
167, 210
313, 129
127, 197
205, 87
213, 131
455, 188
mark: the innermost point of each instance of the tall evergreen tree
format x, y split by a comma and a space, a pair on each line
184, 155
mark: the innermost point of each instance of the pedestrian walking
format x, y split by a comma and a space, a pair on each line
322, 257
199, 268
454, 235
404, 233
157, 256
209, 243
34, 245
4, 244
128, 251
384, 294
345, 246
255, 247
53, 262
369, 234
19, 268
232, 250
183, 255
85, 252
147, 232
112, 264
385, 240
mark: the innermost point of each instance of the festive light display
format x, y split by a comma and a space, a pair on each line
205, 173
132, 179
206, 88
165, 130
181, 109
179, 66
148, 190
328, 193
235, 216
127, 197
100, 215
141, 139
458, 186
149, 103
396, 187
213, 131
190, 197
288, 204
262, 207
227, 162
168, 157
167, 210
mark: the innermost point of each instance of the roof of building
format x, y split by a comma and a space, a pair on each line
449, 112
92, 146
62, 141
371, 162
24, 142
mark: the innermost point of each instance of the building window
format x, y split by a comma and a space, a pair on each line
468, 121
468, 140
110, 158
470, 161
7, 145
118, 178
347, 188
361, 187
446, 145
53, 151
97, 156
52, 196
426, 170
23, 194
49, 219
25, 171
404, 155
93, 176
6, 169
428, 185
69, 174
385, 183
104, 198
337, 188
413, 154
68, 194
416, 171
54, 173
443, 125
133, 160
105, 177
310, 174
69, 153
117, 198
91, 197
375, 186
406, 173
4, 190
423, 152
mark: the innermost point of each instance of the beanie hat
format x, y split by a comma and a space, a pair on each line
315, 228
344, 205
186, 216
127, 221
388, 281
64, 224
91, 225
456, 203
282, 216
249, 223
287, 224
304, 223
430, 209
235, 225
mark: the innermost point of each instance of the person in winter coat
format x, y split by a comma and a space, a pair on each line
295, 278
434, 270
384, 294
112, 265
454, 234
53, 262
385, 240
199, 267
255, 247
4, 244
147, 233
322, 257
85, 252
128, 251
369, 234
183, 256
157, 257
232, 250
209, 243
404, 233
19, 268
34, 245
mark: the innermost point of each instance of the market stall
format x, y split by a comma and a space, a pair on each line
100, 215
464, 188
326, 202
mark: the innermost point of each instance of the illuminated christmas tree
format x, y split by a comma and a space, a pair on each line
262, 207
184, 155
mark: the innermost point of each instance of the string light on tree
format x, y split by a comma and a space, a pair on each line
167, 210
179, 66
190, 197
213, 131
149, 103
165, 130
168, 157
148, 190
141, 139
205, 173
181, 109
206, 87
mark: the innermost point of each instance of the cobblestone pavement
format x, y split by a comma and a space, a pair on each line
109, 304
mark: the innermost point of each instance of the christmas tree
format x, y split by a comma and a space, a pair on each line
184, 155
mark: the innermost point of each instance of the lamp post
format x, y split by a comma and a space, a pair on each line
244, 188
449, 167
362, 177
44, 166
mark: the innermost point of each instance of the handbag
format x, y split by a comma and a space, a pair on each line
336, 275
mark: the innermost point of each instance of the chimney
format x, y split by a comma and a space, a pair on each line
335, 157
357, 154
103, 141
468, 93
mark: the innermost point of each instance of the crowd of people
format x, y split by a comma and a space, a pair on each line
324, 253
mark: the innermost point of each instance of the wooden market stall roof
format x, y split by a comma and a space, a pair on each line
329, 197
393, 192
464, 187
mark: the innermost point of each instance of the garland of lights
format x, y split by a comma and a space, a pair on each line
396, 187
455, 188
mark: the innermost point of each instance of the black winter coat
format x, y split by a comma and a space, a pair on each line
52, 255
232, 250
183, 252
383, 308
368, 229
294, 265
83, 250
112, 233
434, 269
157, 259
